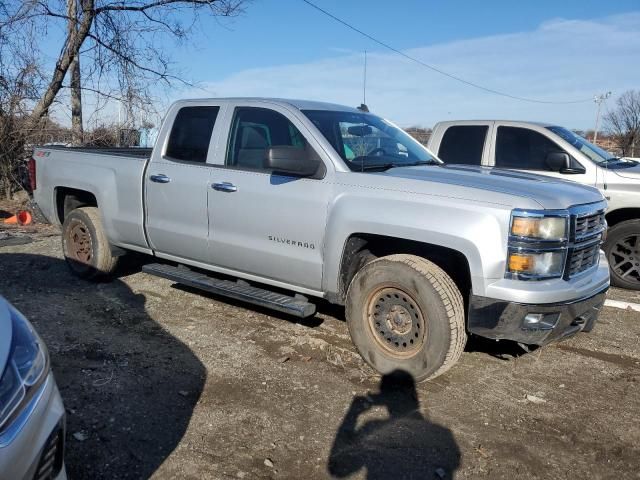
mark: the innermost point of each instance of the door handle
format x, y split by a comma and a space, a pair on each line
224, 187
160, 178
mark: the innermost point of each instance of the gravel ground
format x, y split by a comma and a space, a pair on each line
165, 382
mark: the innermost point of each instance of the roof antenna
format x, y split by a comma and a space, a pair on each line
363, 106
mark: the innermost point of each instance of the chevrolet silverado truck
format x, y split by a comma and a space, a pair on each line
276, 202
554, 151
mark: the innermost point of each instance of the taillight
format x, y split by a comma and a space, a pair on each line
31, 166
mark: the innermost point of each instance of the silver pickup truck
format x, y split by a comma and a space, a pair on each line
277, 201
554, 151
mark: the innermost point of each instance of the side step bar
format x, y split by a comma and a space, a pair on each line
297, 306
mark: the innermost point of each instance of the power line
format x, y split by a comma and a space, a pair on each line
435, 69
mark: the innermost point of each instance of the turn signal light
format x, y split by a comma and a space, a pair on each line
520, 263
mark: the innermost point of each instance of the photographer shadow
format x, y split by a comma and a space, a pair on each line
404, 445
129, 385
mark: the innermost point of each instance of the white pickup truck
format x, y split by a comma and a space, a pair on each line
300, 199
554, 151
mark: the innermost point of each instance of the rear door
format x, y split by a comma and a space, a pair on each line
263, 223
176, 182
465, 144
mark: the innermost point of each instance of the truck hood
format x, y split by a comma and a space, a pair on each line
626, 171
548, 192
6, 332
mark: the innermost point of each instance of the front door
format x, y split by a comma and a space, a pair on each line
262, 223
519, 148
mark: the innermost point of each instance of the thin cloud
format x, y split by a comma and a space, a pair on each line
560, 60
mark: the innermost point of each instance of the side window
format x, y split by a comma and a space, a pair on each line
524, 149
463, 144
191, 134
254, 130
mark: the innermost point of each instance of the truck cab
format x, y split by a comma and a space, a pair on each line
554, 151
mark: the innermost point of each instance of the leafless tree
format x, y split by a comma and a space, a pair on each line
122, 60
117, 40
20, 84
623, 122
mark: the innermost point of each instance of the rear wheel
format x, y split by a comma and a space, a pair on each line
85, 244
622, 248
406, 313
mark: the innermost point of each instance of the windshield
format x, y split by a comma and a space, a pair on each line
595, 153
367, 142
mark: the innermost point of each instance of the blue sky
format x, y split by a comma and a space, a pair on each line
277, 32
551, 50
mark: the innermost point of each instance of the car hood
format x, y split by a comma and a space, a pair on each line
550, 193
632, 172
6, 332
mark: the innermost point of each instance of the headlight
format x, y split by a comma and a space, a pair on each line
26, 368
537, 265
539, 227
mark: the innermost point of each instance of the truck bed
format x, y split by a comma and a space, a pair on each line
112, 175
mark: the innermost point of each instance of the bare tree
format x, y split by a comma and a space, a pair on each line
623, 123
20, 83
118, 41
75, 84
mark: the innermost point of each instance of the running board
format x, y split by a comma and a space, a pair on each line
240, 290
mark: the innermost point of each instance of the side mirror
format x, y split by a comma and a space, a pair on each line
561, 162
291, 161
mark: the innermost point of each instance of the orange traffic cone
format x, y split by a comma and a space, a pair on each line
23, 218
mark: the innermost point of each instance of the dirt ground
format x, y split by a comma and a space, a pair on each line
165, 382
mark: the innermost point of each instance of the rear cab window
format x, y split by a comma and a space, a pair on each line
191, 134
463, 144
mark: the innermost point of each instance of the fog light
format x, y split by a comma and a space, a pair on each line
540, 321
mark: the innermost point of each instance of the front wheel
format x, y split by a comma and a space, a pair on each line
405, 313
622, 249
85, 244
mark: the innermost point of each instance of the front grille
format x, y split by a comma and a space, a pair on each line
587, 228
52, 456
589, 225
582, 259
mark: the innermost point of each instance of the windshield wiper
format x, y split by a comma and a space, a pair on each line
422, 162
377, 166
387, 166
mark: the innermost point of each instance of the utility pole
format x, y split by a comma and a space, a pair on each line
599, 99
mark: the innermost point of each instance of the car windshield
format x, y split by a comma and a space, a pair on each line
595, 153
368, 142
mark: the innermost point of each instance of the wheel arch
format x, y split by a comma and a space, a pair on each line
68, 199
361, 248
621, 215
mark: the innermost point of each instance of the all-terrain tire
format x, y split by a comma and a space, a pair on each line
405, 313
623, 242
85, 244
